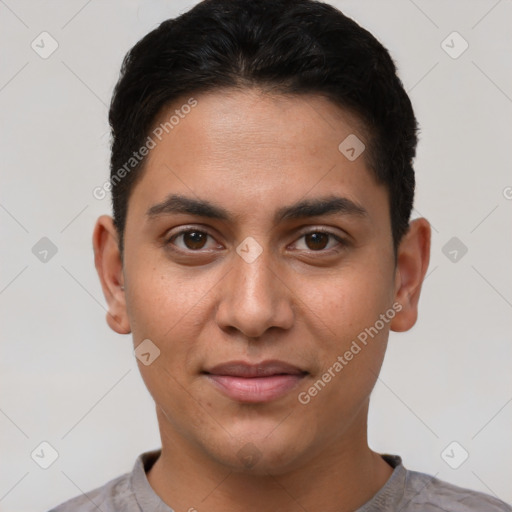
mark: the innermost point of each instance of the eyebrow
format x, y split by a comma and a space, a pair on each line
330, 205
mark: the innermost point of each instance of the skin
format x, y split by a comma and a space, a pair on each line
303, 301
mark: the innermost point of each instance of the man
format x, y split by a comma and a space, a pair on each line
260, 252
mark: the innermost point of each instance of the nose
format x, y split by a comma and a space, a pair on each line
254, 298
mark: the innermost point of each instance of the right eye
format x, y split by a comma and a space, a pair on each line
190, 240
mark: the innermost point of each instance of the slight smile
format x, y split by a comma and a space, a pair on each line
255, 383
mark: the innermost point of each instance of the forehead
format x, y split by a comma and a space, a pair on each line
255, 150
249, 122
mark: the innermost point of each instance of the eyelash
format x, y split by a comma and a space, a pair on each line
169, 241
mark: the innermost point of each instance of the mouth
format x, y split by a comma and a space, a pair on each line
255, 383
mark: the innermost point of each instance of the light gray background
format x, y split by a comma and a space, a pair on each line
68, 380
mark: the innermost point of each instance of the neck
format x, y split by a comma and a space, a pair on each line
340, 478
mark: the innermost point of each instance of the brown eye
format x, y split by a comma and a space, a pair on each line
194, 239
317, 241
320, 241
191, 240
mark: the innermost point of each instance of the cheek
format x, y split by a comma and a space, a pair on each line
163, 301
351, 354
171, 318
347, 307
168, 318
349, 301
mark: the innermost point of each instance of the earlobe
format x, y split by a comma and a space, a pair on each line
413, 255
109, 266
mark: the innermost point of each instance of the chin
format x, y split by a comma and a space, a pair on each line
262, 451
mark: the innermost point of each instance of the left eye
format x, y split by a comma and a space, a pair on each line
319, 240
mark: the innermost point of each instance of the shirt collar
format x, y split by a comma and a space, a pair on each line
386, 499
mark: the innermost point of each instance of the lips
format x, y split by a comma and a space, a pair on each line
248, 370
253, 383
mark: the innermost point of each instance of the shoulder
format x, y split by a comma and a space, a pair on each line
426, 493
114, 495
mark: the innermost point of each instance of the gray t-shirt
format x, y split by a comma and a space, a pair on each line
405, 491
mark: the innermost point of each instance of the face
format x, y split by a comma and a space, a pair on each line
252, 242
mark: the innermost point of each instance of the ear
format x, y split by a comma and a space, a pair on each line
109, 266
413, 256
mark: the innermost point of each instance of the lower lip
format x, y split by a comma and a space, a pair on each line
256, 389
